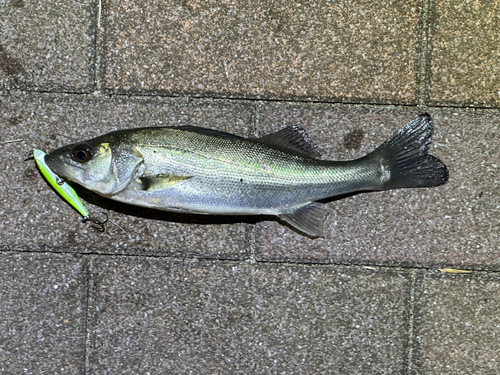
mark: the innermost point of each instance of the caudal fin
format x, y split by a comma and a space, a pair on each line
404, 157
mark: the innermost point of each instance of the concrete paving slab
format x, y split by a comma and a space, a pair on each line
464, 53
352, 51
47, 45
34, 218
457, 325
43, 302
218, 318
455, 225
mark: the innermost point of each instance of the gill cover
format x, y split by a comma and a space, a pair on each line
110, 171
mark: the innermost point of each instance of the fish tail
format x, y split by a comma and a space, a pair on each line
405, 160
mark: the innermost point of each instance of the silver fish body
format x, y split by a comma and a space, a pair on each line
197, 170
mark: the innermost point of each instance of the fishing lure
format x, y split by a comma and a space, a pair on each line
62, 187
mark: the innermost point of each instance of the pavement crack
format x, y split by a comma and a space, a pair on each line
89, 315
424, 61
411, 322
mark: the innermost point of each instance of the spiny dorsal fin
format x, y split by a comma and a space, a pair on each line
159, 181
308, 219
293, 138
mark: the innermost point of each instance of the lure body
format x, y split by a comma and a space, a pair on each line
59, 185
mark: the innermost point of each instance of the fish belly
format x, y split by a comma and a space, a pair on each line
199, 196
244, 193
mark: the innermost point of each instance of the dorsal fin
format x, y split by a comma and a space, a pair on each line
293, 138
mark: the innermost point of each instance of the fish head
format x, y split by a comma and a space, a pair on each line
101, 165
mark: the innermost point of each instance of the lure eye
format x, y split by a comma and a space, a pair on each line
82, 153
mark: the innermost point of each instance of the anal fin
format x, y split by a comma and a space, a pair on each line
159, 181
308, 219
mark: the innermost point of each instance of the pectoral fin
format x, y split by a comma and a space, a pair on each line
307, 219
160, 181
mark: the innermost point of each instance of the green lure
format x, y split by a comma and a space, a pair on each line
65, 190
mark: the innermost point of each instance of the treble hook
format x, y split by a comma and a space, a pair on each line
99, 227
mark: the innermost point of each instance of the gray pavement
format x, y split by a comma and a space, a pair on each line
163, 293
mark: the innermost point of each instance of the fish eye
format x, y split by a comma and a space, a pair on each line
82, 153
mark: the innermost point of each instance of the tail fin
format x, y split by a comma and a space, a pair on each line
404, 157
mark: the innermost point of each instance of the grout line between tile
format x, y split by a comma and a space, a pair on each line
297, 101
423, 75
99, 14
431, 269
88, 314
99, 41
411, 323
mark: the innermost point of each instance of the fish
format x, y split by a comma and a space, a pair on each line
203, 171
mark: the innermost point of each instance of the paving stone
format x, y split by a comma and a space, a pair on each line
464, 53
35, 218
456, 224
219, 318
343, 50
43, 302
457, 325
46, 45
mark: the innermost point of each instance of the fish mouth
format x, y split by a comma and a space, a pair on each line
56, 165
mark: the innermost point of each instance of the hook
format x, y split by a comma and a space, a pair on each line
99, 227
